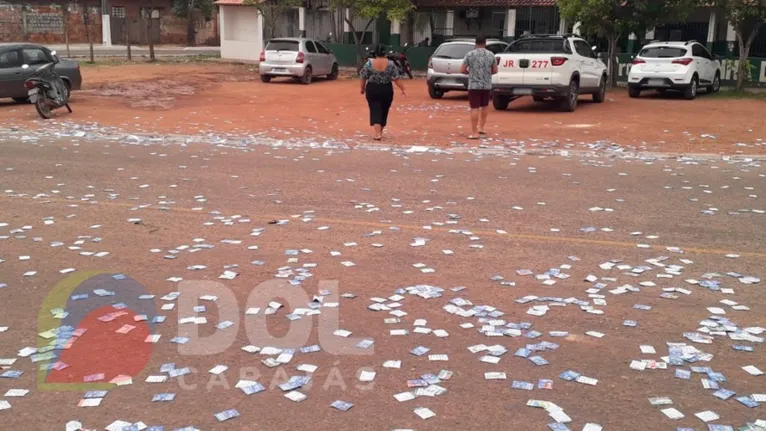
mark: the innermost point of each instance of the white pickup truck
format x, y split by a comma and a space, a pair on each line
558, 67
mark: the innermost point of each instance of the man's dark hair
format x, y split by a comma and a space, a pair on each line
481, 40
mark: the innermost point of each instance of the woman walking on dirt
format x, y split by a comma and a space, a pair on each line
378, 76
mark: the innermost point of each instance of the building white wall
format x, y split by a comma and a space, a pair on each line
241, 33
490, 23
421, 31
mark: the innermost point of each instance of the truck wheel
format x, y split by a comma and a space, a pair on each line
634, 92
691, 91
601, 95
434, 92
569, 102
500, 103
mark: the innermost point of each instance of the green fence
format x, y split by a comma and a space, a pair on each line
418, 57
346, 55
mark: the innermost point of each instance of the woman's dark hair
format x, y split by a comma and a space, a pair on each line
380, 51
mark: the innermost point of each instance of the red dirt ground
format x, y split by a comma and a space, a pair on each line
198, 98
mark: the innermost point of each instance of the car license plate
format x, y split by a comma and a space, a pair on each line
522, 91
279, 70
659, 82
33, 92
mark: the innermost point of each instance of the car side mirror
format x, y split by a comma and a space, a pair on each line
25, 66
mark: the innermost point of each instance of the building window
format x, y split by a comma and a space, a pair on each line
118, 11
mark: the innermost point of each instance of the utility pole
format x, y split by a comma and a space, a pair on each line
106, 23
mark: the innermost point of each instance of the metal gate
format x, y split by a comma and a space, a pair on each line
537, 20
682, 32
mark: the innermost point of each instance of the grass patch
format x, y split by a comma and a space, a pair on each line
752, 94
144, 59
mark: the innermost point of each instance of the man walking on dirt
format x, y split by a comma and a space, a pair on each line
479, 65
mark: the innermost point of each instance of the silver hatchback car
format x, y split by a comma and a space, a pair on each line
300, 58
444, 66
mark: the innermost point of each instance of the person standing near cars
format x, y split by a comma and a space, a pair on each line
479, 64
378, 76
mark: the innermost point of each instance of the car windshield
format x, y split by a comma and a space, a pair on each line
538, 45
453, 51
662, 52
282, 45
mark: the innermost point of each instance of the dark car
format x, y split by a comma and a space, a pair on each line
12, 75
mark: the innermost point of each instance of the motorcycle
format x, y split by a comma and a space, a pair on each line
401, 61
398, 58
47, 91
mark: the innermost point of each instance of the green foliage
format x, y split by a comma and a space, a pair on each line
271, 10
181, 7
744, 11
745, 67
747, 17
620, 17
371, 9
274, 5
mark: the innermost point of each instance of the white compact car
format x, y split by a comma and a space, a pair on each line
548, 67
683, 66
297, 58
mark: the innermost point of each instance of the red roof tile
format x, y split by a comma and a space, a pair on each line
483, 3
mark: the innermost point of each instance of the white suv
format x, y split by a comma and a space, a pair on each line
684, 66
560, 67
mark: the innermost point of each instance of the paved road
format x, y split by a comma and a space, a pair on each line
498, 215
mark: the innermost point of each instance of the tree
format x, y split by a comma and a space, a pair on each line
87, 23
747, 17
369, 10
271, 10
149, 26
186, 8
615, 18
